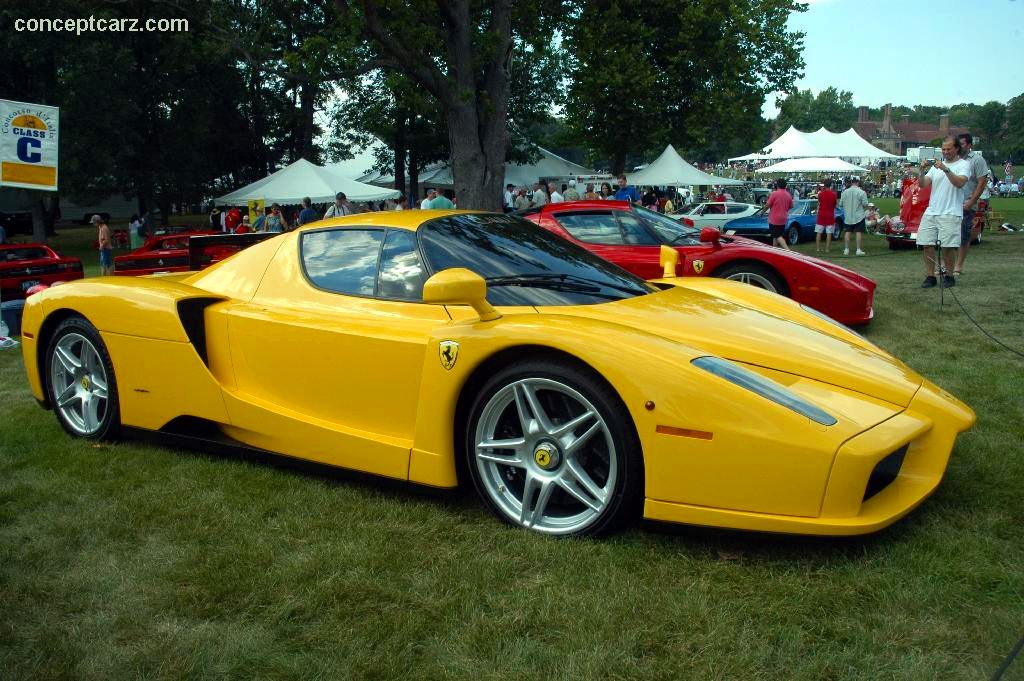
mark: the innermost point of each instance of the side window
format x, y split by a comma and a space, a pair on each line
634, 232
401, 272
736, 208
593, 228
715, 209
342, 260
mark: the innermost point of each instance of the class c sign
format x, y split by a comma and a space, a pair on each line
28, 145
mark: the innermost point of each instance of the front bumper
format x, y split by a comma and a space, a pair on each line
928, 428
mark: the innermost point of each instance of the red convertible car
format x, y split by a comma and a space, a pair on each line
166, 254
631, 237
22, 266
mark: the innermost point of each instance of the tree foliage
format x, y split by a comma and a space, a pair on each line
648, 72
831, 108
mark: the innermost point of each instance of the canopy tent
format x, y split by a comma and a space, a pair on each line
301, 179
821, 143
812, 165
670, 170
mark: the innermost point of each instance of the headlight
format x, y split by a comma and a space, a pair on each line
822, 315
768, 389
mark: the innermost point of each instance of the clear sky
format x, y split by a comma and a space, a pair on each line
876, 50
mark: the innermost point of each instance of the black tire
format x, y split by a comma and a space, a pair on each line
757, 270
893, 246
109, 424
793, 234
625, 499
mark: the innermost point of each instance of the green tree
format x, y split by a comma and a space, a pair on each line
988, 120
649, 72
831, 108
460, 52
1011, 140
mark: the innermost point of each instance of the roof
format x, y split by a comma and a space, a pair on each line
301, 179
411, 220
669, 169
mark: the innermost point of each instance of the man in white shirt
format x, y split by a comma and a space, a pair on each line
425, 203
553, 193
509, 198
540, 197
340, 207
940, 225
854, 202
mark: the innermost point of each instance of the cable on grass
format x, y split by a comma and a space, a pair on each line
1009, 660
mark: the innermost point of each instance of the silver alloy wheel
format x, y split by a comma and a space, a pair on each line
754, 279
79, 383
549, 463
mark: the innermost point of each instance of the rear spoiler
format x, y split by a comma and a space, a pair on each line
204, 250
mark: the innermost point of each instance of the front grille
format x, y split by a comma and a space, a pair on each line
885, 472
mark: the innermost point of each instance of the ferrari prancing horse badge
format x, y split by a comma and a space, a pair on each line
449, 352
698, 265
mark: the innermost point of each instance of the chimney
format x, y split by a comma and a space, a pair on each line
862, 114
887, 117
944, 125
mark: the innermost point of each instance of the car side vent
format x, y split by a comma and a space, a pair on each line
190, 312
885, 472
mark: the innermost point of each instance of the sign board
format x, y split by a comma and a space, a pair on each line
28, 145
255, 210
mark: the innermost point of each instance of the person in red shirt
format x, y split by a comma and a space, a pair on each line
232, 220
779, 203
826, 221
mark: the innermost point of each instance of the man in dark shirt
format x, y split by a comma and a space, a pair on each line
307, 214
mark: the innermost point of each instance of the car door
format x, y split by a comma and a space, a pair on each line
328, 354
617, 236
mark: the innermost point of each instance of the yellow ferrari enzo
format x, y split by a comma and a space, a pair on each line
441, 346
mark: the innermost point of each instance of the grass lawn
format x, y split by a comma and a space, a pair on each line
140, 561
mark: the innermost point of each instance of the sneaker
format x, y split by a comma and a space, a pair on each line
846, 251
860, 252
929, 282
948, 281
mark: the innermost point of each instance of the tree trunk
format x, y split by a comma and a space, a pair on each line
52, 212
619, 161
414, 174
307, 101
38, 219
400, 128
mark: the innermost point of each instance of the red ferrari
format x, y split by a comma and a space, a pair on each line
631, 237
22, 266
166, 254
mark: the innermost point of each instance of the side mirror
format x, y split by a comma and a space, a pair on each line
710, 235
669, 260
459, 286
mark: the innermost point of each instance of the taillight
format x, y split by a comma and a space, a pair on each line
688, 222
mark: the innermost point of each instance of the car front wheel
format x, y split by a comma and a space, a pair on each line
754, 274
550, 447
81, 385
793, 234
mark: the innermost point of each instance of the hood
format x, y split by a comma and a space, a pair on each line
743, 333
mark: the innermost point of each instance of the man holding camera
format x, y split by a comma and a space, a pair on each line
940, 225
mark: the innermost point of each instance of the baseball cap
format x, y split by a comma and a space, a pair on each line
95, 219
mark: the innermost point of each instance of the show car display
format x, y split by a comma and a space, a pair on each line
168, 254
441, 347
799, 227
631, 237
715, 213
23, 266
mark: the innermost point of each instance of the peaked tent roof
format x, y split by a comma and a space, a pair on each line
300, 179
549, 165
670, 169
821, 143
812, 165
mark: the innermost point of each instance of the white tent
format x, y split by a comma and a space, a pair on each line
821, 143
670, 170
549, 165
812, 165
300, 179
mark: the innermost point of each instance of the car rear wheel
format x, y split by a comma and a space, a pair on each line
81, 385
754, 274
550, 447
793, 234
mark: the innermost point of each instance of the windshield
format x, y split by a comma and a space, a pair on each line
668, 230
12, 254
524, 264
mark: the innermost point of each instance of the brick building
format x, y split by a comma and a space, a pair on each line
897, 137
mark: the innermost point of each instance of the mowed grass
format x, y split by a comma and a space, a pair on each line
142, 561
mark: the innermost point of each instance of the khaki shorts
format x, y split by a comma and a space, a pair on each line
939, 230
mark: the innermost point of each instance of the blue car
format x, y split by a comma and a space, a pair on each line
800, 227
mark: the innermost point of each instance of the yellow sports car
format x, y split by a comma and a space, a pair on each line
442, 347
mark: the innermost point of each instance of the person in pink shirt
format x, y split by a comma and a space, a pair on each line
779, 203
